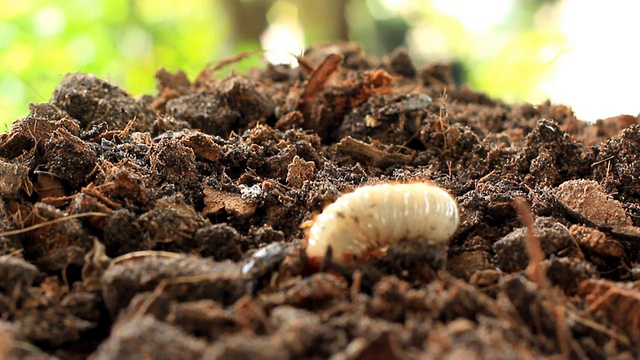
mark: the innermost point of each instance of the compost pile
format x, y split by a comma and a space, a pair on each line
173, 226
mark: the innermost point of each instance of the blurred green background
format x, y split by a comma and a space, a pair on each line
505, 46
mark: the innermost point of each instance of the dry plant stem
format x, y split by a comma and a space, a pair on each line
92, 190
239, 57
128, 127
355, 286
442, 118
536, 273
157, 292
603, 161
595, 326
534, 270
234, 59
51, 222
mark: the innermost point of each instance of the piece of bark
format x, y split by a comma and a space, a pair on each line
369, 154
217, 201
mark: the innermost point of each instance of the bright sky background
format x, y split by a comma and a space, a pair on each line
599, 74
596, 70
582, 53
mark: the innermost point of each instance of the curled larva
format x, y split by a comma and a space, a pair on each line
379, 215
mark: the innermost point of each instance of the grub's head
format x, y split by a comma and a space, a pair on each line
317, 248
323, 246
315, 263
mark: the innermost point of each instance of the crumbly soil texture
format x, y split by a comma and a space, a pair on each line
173, 226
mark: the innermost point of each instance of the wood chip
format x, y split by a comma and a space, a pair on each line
587, 201
621, 306
596, 241
369, 154
319, 78
217, 201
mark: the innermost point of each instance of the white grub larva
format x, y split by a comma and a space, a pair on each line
379, 215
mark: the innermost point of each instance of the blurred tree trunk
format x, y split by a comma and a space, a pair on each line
248, 19
322, 21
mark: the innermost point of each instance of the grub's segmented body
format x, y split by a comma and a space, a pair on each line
374, 216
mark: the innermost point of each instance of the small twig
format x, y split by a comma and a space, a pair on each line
603, 160
536, 272
487, 176
619, 336
235, 58
162, 285
128, 127
356, 285
146, 304
11, 254
50, 222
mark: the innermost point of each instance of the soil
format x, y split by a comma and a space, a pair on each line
173, 226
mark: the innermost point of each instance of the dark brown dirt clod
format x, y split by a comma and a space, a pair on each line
13, 178
16, 272
184, 277
69, 158
511, 253
91, 101
235, 104
140, 337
